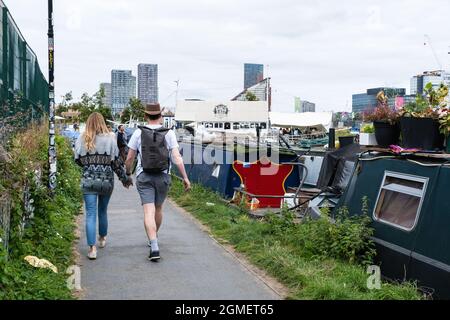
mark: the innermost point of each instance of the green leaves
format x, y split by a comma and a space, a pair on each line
50, 233
368, 128
431, 105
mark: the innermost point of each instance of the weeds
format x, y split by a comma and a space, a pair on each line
46, 227
314, 260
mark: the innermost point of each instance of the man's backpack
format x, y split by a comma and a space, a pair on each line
155, 155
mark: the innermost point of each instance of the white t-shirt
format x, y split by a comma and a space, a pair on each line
135, 144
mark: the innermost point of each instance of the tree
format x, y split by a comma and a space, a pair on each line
64, 106
90, 104
137, 108
250, 96
126, 115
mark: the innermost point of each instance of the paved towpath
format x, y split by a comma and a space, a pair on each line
193, 266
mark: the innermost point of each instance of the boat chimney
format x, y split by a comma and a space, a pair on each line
332, 138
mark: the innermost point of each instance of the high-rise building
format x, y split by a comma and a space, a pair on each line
367, 101
302, 106
253, 74
419, 82
107, 92
148, 83
123, 88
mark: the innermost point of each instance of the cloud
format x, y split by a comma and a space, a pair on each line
320, 50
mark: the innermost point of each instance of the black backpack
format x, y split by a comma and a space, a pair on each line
155, 156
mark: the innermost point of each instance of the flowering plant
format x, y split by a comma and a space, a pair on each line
382, 112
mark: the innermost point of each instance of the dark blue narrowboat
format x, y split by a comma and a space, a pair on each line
409, 204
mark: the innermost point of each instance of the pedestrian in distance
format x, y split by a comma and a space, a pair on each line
97, 153
156, 148
122, 142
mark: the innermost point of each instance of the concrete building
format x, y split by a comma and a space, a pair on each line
107, 91
302, 106
419, 82
366, 101
123, 88
148, 83
253, 74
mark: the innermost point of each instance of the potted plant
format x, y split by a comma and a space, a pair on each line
367, 136
385, 122
419, 122
445, 129
444, 125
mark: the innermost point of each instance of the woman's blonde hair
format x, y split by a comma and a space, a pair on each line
95, 125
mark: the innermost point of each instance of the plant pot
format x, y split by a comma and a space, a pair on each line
421, 133
346, 141
367, 139
386, 134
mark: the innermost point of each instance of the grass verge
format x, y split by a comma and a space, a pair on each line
50, 233
280, 248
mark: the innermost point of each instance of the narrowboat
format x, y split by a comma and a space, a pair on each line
409, 205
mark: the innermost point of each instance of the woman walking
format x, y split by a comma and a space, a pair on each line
97, 153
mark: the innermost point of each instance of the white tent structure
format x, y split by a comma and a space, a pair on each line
322, 121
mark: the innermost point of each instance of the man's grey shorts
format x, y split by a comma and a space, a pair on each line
153, 187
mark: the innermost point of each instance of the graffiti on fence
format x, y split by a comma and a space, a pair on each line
51, 97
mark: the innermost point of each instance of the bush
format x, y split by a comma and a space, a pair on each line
49, 232
346, 238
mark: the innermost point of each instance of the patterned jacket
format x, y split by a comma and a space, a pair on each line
100, 164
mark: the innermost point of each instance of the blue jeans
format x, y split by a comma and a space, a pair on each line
90, 201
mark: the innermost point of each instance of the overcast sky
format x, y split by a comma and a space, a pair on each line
320, 50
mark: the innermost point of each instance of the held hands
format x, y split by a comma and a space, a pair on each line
187, 184
128, 182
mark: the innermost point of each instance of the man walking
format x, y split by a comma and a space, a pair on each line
122, 142
156, 148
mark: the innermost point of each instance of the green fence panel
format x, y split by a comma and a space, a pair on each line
23, 87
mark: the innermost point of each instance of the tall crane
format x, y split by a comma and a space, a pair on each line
430, 44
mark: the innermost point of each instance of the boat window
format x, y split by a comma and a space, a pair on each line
216, 125
263, 125
236, 126
227, 126
400, 200
221, 125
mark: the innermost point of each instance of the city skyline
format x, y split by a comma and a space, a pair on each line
339, 50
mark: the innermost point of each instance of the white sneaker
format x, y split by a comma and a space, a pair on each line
92, 255
102, 243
